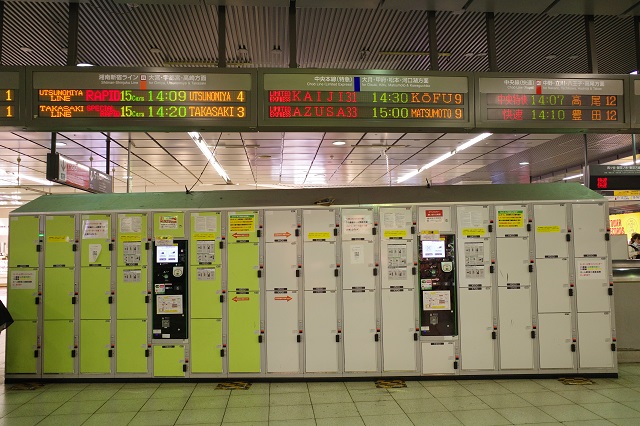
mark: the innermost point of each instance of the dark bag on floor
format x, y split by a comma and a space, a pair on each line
5, 317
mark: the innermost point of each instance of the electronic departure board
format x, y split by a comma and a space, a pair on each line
635, 103
141, 99
11, 104
561, 102
616, 177
368, 100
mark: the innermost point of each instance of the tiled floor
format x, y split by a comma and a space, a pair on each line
442, 402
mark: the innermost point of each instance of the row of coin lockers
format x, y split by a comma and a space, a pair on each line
318, 291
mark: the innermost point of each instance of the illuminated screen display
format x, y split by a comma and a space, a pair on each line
167, 254
547, 102
120, 98
602, 178
9, 98
431, 249
335, 99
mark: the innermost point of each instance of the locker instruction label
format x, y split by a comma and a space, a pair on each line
473, 232
395, 233
169, 304
23, 280
434, 216
548, 229
57, 239
242, 222
510, 218
436, 300
207, 225
397, 261
168, 222
318, 236
206, 274
205, 251
131, 252
132, 276
593, 269
130, 225
95, 229
357, 254
357, 223
395, 221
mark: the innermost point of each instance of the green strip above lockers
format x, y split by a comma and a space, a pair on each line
95, 293
25, 244
59, 233
131, 239
243, 265
131, 346
242, 227
168, 361
58, 347
22, 344
95, 346
95, 234
204, 243
131, 293
244, 332
206, 346
59, 294
168, 225
23, 293
206, 292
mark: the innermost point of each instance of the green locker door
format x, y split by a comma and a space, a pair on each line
58, 347
24, 237
205, 231
95, 237
206, 344
22, 294
95, 290
59, 232
243, 264
131, 346
95, 344
58, 294
168, 361
205, 292
244, 330
132, 239
168, 224
22, 341
131, 293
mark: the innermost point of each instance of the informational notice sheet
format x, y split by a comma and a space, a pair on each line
436, 300
169, 304
130, 224
206, 224
95, 229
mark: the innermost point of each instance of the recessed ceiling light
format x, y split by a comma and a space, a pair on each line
84, 64
61, 144
27, 49
524, 163
551, 56
339, 143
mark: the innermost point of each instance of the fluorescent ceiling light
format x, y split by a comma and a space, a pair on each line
84, 64
61, 144
339, 143
524, 163
443, 157
202, 144
629, 163
573, 177
634, 72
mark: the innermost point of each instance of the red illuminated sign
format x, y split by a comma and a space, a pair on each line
602, 183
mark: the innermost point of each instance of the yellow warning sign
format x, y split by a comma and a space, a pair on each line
130, 237
626, 193
204, 236
318, 235
468, 232
549, 229
510, 218
395, 233
57, 239
242, 222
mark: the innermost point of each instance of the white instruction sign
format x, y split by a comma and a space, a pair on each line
130, 224
474, 253
132, 275
169, 304
206, 224
591, 269
206, 274
168, 222
394, 220
436, 300
23, 280
357, 254
95, 229
94, 252
357, 223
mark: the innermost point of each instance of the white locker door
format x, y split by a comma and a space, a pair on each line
554, 339
397, 264
359, 331
552, 278
283, 354
398, 329
473, 221
589, 227
514, 327
435, 218
280, 225
319, 225
550, 226
357, 223
358, 264
319, 265
594, 340
395, 222
476, 325
320, 320
513, 261
438, 357
281, 261
592, 284
511, 220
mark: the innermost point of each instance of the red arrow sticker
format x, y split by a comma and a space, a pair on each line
281, 234
240, 299
236, 235
287, 298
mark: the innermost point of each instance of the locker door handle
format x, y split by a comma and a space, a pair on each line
610, 291
491, 268
260, 339
568, 237
259, 233
375, 272
415, 336
297, 273
110, 353
490, 228
73, 353
414, 270
37, 300
222, 298
146, 353
38, 248
573, 347
259, 273
110, 300
570, 292
335, 232
184, 368
221, 353
455, 365
530, 268
221, 245
413, 230
74, 247
374, 231
36, 353
298, 338
528, 227
146, 245
606, 236
335, 272
533, 334
494, 335
297, 232
73, 300
337, 338
146, 299
110, 246
613, 347
376, 337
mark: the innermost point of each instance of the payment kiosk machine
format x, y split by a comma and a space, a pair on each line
170, 291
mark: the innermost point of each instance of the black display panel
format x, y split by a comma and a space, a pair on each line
608, 178
561, 102
11, 97
371, 99
141, 99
